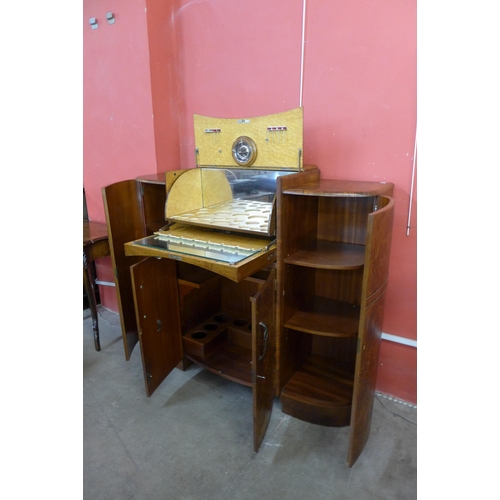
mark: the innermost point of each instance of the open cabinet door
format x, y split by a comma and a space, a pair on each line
125, 222
263, 345
154, 283
375, 276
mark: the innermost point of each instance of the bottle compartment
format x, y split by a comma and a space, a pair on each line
215, 321
222, 344
207, 337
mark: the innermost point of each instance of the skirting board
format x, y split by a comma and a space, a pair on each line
399, 340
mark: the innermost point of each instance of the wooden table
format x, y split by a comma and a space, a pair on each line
95, 246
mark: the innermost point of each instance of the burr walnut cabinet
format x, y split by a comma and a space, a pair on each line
300, 320
255, 268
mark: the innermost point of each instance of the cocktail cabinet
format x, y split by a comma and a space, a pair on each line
259, 271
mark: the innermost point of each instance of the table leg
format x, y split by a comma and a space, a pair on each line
88, 280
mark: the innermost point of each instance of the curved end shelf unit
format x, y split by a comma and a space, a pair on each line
328, 236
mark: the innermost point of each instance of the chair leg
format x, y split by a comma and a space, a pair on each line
88, 280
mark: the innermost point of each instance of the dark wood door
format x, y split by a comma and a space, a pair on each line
154, 283
263, 347
125, 222
375, 277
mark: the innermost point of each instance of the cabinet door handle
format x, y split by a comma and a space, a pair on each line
266, 335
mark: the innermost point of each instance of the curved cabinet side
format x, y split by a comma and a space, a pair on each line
376, 273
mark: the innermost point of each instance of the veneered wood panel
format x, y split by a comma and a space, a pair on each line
125, 222
287, 243
344, 219
196, 189
199, 303
276, 150
263, 346
320, 393
339, 188
154, 197
378, 247
365, 378
154, 283
340, 351
299, 217
342, 285
235, 296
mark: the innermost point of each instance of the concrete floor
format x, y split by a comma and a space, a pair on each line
192, 440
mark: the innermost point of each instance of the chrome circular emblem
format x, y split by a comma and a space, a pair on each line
244, 151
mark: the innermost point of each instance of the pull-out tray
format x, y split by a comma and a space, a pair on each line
245, 216
230, 255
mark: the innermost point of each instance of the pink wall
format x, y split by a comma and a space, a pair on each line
118, 140
118, 125
130, 90
234, 58
165, 85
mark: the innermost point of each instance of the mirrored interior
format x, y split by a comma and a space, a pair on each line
256, 185
229, 254
227, 199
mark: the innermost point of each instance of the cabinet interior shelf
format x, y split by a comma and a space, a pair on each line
222, 344
319, 392
322, 254
327, 317
230, 361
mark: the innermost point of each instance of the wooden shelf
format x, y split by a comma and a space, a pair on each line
326, 317
341, 188
319, 392
230, 361
329, 255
